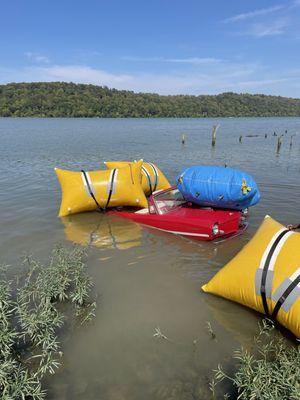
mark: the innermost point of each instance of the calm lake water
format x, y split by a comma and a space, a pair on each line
145, 279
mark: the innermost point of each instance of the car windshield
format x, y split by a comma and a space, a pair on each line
168, 200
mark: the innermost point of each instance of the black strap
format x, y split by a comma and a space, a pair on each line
91, 192
149, 179
150, 185
265, 271
284, 296
111, 188
156, 177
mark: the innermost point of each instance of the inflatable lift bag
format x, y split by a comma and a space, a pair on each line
152, 177
218, 187
265, 275
89, 190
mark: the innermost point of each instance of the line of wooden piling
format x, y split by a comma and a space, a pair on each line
216, 127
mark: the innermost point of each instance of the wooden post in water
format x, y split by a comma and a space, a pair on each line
291, 142
214, 135
183, 138
240, 139
279, 142
266, 136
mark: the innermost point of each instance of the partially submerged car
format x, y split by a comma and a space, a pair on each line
168, 211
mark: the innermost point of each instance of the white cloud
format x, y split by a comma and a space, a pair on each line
262, 23
205, 79
273, 28
255, 13
223, 77
38, 58
81, 74
142, 59
262, 82
188, 60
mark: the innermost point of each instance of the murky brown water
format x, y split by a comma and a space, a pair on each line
145, 279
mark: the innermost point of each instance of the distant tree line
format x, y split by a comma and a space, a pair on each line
61, 99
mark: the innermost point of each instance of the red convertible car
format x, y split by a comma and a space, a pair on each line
168, 211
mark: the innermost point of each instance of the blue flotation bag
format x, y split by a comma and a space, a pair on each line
218, 187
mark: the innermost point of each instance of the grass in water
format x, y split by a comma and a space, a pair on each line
31, 317
270, 372
210, 330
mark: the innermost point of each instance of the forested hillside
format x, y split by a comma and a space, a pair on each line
60, 99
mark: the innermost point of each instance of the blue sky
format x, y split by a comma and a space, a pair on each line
162, 46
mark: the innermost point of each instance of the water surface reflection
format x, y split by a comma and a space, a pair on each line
102, 231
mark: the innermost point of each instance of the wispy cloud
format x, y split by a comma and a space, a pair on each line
81, 74
35, 57
193, 60
264, 22
264, 82
255, 13
188, 60
225, 76
273, 28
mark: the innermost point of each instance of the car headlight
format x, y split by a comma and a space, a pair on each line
215, 229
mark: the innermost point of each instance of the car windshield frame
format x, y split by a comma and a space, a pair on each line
168, 200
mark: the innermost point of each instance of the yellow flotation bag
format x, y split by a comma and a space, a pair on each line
265, 275
152, 177
87, 191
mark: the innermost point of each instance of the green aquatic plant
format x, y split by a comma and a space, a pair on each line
271, 371
32, 314
159, 335
210, 330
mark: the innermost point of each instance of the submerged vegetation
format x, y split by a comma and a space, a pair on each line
61, 99
271, 371
32, 313
34, 308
